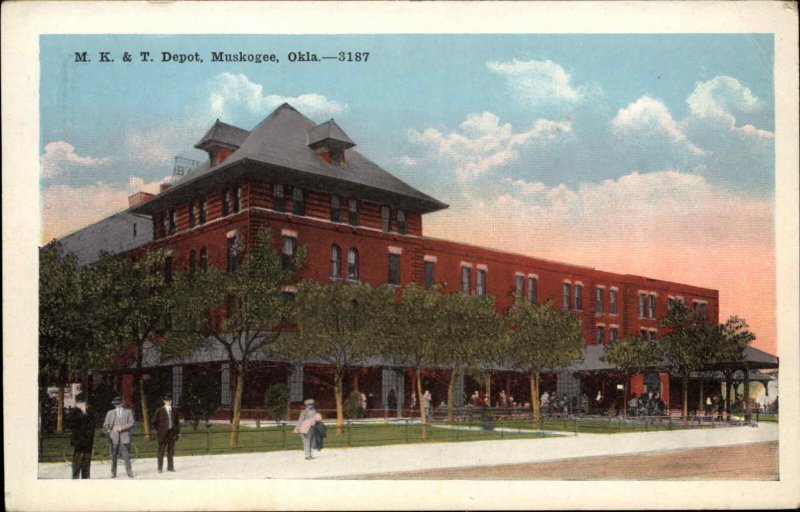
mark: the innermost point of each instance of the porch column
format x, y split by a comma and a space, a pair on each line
702, 405
746, 393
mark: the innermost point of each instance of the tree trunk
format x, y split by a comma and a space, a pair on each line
423, 419
60, 408
337, 391
685, 399
625, 397
536, 408
142, 395
451, 393
489, 388
237, 406
728, 386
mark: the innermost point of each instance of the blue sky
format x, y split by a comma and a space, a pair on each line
650, 154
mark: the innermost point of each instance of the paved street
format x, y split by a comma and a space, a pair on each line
358, 462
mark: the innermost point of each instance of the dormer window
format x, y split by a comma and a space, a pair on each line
330, 142
337, 156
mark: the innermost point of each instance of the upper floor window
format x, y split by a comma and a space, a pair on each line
289, 250
612, 302
465, 278
699, 311
533, 284
203, 258
335, 262
519, 284
233, 254
613, 334
278, 199
298, 203
192, 214
337, 156
192, 260
352, 212
652, 306
578, 297
225, 199
565, 289
201, 207
480, 282
401, 222
430, 273
394, 268
352, 264
336, 209
171, 222
642, 305
386, 218
236, 199
600, 335
601, 300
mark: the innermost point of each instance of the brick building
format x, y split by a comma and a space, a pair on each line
358, 222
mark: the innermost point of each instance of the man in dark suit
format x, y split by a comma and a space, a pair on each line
82, 438
168, 426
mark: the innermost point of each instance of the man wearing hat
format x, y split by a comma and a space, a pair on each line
304, 424
118, 425
168, 425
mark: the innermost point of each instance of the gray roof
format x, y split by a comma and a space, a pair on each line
114, 234
223, 133
277, 150
329, 130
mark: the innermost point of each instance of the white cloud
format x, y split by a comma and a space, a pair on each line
60, 156
720, 96
482, 143
648, 117
233, 92
538, 81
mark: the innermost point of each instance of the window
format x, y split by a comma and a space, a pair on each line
352, 212
201, 217
613, 334
600, 336
601, 301
519, 284
352, 264
192, 260
401, 222
386, 218
642, 300
336, 209
233, 254
335, 262
298, 204
278, 200
612, 302
337, 155
643, 334
653, 335
168, 269
225, 199
192, 214
430, 273
652, 304
578, 297
203, 258
699, 311
394, 268
480, 283
289, 247
236, 200
465, 278
533, 284
565, 296
171, 227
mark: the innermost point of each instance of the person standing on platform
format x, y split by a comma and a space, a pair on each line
118, 425
82, 439
167, 423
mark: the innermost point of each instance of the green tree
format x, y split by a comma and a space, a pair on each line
414, 340
130, 304
338, 324
468, 330
241, 312
631, 356
734, 337
276, 401
65, 339
201, 396
542, 338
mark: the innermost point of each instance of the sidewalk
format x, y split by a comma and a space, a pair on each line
346, 462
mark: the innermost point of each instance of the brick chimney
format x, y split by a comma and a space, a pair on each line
163, 187
139, 198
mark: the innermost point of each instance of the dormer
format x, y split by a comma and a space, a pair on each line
330, 142
220, 141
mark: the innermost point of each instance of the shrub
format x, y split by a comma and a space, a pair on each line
276, 401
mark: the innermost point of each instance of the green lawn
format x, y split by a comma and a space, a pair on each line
269, 437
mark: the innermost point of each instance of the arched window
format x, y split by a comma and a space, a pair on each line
236, 204
278, 203
352, 212
298, 204
401, 222
225, 199
336, 209
203, 258
352, 264
335, 262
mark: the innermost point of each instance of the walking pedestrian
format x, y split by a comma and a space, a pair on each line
426, 404
305, 421
82, 439
167, 423
118, 425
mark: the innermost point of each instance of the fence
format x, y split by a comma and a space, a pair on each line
468, 425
